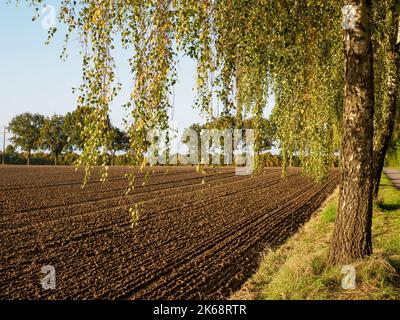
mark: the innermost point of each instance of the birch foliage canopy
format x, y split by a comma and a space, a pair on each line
244, 49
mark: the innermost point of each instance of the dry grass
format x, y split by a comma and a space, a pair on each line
298, 269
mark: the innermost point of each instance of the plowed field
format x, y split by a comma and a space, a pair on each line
194, 240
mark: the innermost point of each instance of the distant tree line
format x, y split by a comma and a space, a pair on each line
58, 139
266, 131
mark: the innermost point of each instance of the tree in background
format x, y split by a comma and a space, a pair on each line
52, 136
12, 155
26, 132
119, 141
10, 151
266, 130
60, 133
72, 128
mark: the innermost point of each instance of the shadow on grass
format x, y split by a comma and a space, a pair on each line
388, 207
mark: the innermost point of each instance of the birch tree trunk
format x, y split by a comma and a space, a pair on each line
352, 233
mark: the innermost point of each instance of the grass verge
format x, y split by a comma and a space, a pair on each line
298, 269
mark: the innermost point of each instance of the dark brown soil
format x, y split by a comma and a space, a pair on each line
194, 240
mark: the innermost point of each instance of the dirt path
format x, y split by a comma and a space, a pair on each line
194, 240
394, 176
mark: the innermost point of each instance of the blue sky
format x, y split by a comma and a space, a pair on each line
34, 79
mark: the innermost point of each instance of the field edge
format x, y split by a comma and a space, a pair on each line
298, 269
